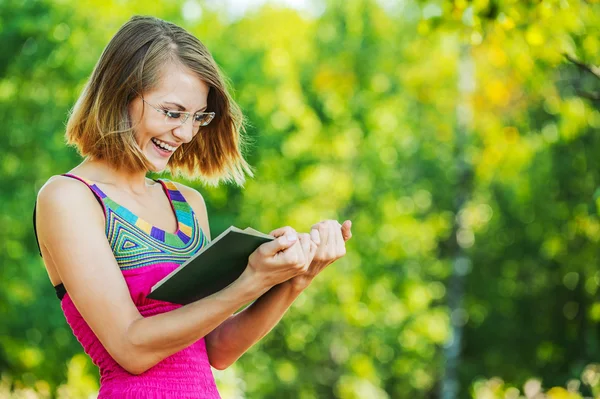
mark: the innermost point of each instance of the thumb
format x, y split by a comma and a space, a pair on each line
281, 231
282, 243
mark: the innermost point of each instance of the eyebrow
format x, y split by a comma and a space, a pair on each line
182, 108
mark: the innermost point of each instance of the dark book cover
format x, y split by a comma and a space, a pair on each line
216, 266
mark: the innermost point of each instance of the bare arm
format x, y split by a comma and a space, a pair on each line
71, 231
238, 333
230, 340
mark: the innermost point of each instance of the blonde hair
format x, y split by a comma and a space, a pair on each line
100, 127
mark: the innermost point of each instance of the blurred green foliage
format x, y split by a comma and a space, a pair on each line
354, 111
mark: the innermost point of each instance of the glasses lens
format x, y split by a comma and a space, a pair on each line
174, 117
203, 119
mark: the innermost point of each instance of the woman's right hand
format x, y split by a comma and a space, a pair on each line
274, 262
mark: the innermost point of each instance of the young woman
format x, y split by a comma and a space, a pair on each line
156, 100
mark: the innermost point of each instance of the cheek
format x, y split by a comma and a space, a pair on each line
146, 130
143, 124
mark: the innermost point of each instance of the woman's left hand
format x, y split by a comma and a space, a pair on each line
331, 239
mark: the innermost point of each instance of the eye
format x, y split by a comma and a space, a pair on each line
203, 119
172, 114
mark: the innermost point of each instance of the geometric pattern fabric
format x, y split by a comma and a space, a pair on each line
136, 243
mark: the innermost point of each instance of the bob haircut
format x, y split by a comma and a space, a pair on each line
100, 127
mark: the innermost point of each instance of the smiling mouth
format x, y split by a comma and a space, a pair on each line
164, 147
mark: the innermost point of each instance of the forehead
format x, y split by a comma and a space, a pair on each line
180, 83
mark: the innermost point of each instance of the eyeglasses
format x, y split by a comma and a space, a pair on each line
179, 118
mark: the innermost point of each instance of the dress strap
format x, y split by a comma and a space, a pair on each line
60, 290
183, 210
35, 228
99, 194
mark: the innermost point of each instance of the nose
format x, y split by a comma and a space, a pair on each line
185, 133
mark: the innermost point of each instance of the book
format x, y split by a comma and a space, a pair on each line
214, 267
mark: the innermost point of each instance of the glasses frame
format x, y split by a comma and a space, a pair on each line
184, 115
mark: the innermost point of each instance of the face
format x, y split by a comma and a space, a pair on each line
158, 135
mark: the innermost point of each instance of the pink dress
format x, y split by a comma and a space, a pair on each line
145, 255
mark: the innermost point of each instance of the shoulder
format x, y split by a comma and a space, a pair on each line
196, 201
66, 198
62, 189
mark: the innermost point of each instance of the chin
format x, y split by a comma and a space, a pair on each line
157, 168
158, 163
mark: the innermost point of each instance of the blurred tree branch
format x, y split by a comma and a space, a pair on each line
592, 69
589, 96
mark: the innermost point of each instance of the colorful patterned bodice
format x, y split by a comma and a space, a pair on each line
136, 243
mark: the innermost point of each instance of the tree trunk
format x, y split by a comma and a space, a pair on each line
461, 263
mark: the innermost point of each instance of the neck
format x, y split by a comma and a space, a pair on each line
104, 173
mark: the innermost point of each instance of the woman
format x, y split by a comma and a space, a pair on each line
156, 100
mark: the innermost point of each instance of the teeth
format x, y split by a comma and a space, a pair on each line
163, 145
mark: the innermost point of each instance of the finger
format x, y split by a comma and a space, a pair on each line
281, 243
339, 241
301, 248
306, 243
336, 234
315, 236
313, 248
346, 230
324, 234
281, 231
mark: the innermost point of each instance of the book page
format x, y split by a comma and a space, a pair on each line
256, 232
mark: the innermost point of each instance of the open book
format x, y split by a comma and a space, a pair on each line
213, 268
